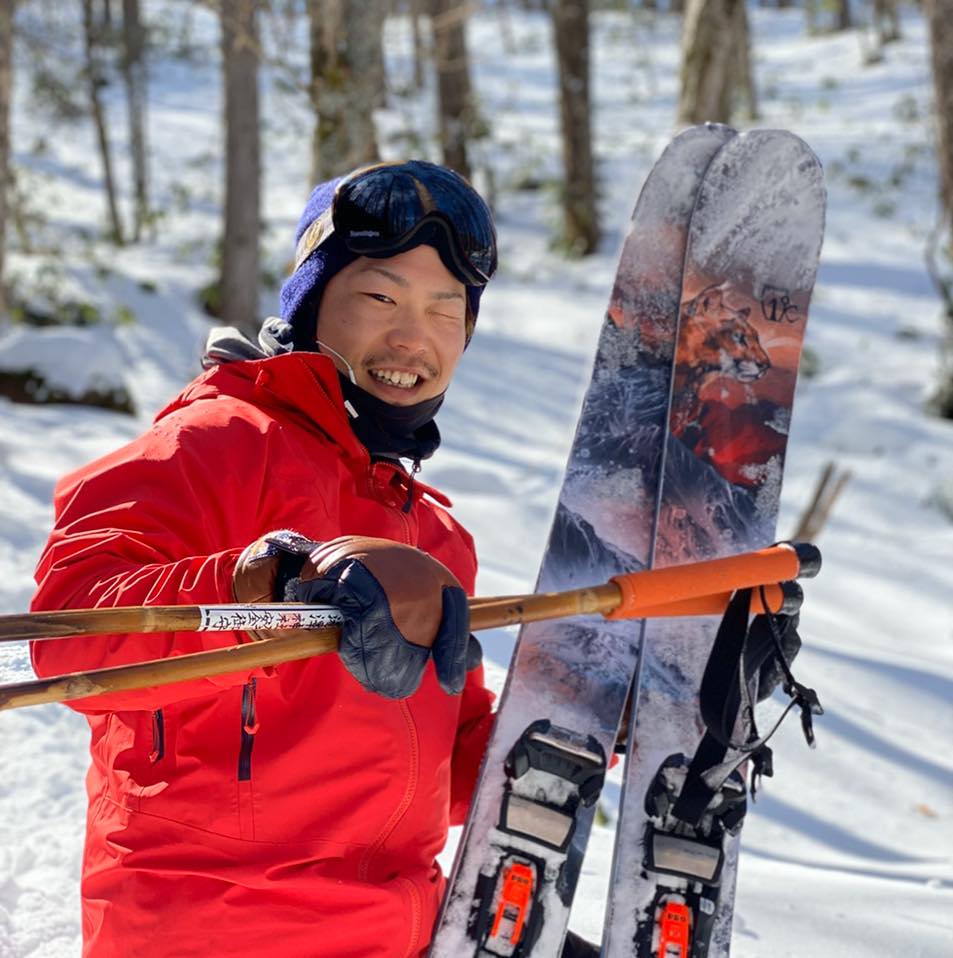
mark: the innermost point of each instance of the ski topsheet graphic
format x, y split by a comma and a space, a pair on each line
522, 848
750, 265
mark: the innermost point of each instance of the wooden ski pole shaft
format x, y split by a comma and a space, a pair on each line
609, 599
679, 589
486, 614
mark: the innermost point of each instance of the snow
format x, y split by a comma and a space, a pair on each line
72, 360
849, 849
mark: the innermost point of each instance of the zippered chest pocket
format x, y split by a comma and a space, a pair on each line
249, 730
158, 737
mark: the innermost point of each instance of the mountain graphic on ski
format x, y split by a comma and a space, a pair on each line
522, 847
750, 265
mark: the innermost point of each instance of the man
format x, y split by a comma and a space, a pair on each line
299, 808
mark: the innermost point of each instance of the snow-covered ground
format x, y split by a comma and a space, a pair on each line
849, 851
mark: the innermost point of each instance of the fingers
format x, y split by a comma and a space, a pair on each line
452, 641
265, 567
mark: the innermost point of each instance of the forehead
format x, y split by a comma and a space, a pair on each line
418, 268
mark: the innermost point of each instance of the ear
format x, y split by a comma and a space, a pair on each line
714, 297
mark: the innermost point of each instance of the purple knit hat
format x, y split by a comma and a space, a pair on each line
301, 291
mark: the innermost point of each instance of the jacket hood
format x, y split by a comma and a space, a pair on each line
301, 386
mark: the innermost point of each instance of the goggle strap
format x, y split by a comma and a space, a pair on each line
316, 233
423, 194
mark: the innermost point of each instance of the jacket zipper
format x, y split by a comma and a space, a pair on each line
249, 730
385, 493
158, 736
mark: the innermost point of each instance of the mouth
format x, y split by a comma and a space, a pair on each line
395, 381
749, 373
395, 377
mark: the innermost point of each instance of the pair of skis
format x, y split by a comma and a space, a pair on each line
678, 456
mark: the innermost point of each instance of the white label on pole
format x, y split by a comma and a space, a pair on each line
245, 618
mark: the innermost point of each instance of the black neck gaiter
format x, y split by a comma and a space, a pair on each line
391, 431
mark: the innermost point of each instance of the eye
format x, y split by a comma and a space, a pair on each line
380, 298
451, 310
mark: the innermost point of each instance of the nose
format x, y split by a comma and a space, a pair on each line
408, 330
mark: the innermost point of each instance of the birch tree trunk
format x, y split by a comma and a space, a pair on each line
134, 76
345, 83
95, 80
240, 246
454, 90
940, 15
580, 214
6, 92
715, 60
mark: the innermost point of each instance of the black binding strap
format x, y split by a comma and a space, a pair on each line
741, 652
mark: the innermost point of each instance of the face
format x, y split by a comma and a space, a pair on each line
400, 322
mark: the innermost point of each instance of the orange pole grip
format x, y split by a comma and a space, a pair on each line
663, 587
714, 604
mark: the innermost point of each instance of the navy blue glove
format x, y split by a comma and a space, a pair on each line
400, 605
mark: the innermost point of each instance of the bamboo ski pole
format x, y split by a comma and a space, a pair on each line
318, 641
694, 589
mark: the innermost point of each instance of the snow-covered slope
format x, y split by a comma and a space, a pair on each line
850, 849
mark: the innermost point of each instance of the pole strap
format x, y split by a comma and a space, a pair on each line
742, 652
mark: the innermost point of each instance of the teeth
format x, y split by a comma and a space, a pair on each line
394, 378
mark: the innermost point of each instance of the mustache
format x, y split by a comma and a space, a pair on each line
414, 365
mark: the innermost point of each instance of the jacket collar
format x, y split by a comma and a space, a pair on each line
303, 386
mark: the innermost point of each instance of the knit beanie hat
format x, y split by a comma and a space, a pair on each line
301, 292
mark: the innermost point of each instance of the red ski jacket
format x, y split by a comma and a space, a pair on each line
286, 811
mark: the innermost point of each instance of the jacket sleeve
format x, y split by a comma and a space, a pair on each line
144, 526
473, 733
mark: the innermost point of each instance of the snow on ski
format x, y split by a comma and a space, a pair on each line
522, 848
752, 256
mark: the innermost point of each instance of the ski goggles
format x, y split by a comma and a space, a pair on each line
390, 208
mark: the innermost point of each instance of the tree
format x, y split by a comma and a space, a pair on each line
580, 214
744, 76
886, 21
345, 43
6, 89
716, 61
844, 21
940, 14
95, 81
240, 245
416, 11
455, 108
134, 76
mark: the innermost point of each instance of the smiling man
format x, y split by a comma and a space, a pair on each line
295, 810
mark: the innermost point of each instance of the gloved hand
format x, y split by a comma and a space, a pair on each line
400, 605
